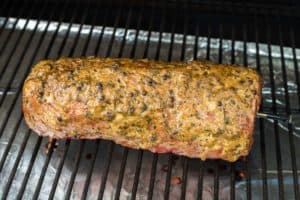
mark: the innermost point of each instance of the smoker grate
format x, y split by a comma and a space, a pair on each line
31, 31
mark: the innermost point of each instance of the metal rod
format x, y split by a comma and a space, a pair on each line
170, 158
105, 171
274, 106
140, 152
287, 108
247, 163
200, 180
261, 122
272, 116
296, 69
182, 58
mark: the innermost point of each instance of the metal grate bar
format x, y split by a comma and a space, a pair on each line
287, 108
116, 23
232, 165
152, 177
140, 152
155, 156
92, 168
138, 27
62, 46
150, 29
232, 181
292, 36
15, 128
202, 166
170, 158
200, 180
14, 26
297, 75
82, 143
29, 41
137, 174
23, 185
168, 177
28, 171
74, 171
217, 174
13, 50
49, 155
247, 162
277, 139
185, 159
125, 153
261, 122
57, 175
105, 171
208, 42
18, 158
128, 19
87, 182
90, 171
10, 9
78, 156
83, 20
121, 173
184, 177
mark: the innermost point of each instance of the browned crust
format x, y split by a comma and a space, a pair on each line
190, 150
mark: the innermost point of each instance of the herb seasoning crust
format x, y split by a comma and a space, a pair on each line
197, 109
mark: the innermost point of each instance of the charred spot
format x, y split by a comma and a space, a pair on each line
172, 101
124, 73
80, 86
166, 76
119, 81
241, 81
71, 75
88, 115
153, 138
254, 92
205, 73
131, 110
220, 103
233, 89
41, 93
110, 116
172, 98
250, 82
59, 119
198, 84
226, 120
232, 102
175, 133
99, 86
150, 82
131, 94
144, 93
144, 107
101, 97
219, 132
115, 66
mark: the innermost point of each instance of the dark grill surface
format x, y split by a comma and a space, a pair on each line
262, 34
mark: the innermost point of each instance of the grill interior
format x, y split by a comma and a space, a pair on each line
261, 34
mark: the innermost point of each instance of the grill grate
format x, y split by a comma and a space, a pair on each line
102, 170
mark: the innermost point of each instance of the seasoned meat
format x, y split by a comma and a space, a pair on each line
197, 109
